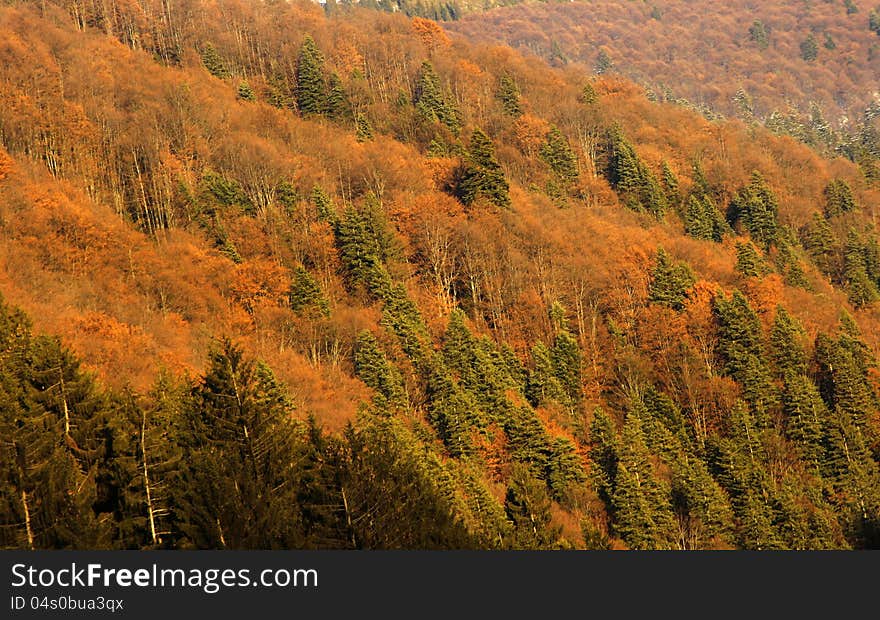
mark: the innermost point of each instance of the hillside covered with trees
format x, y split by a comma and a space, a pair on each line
274, 278
807, 69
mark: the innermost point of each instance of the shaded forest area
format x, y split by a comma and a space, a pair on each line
351, 282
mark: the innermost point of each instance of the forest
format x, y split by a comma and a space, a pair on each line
804, 69
276, 275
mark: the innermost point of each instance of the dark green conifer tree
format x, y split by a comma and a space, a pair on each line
749, 261
838, 198
557, 154
311, 93
239, 478
338, 106
755, 207
509, 96
670, 281
481, 174
214, 63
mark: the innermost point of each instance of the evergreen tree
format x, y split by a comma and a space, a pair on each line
838, 198
363, 129
305, 296
323, 204
749, 261
630, 177
431, 101
604, 64
756, 208
509, 96
245, 92
861, 288
703, 220
589, 95
670, 185
543, 385
214, 63
338, 106
642, 510
670, 281
758, 34
786, 344
239, 482
528, 507
819, 242
809, 48
372, 367
557, 154
481, 175
311, 95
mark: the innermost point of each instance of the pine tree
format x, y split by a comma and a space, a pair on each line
809, 48
557, 153
786, 344
338, 106
481, 174
305, 296
214, 63
311, 95
838, 198
749, 261
373, 368
431, 102
509, 96
670, 281
245, 92
239, 483
363, 129
756, 208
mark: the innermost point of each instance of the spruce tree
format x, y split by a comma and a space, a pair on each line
786, 344
630, 177
481, 174
642, 510
373, 368
809, 48
749, 261
338, 106
557, 154
214, 63
245, 92
311, 95
432, 102
670, 281
838, 198
363, 129
509, 96
819, 242
239, 483
305, 296
756, 208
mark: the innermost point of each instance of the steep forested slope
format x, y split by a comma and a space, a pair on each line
532, 309
788, 62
